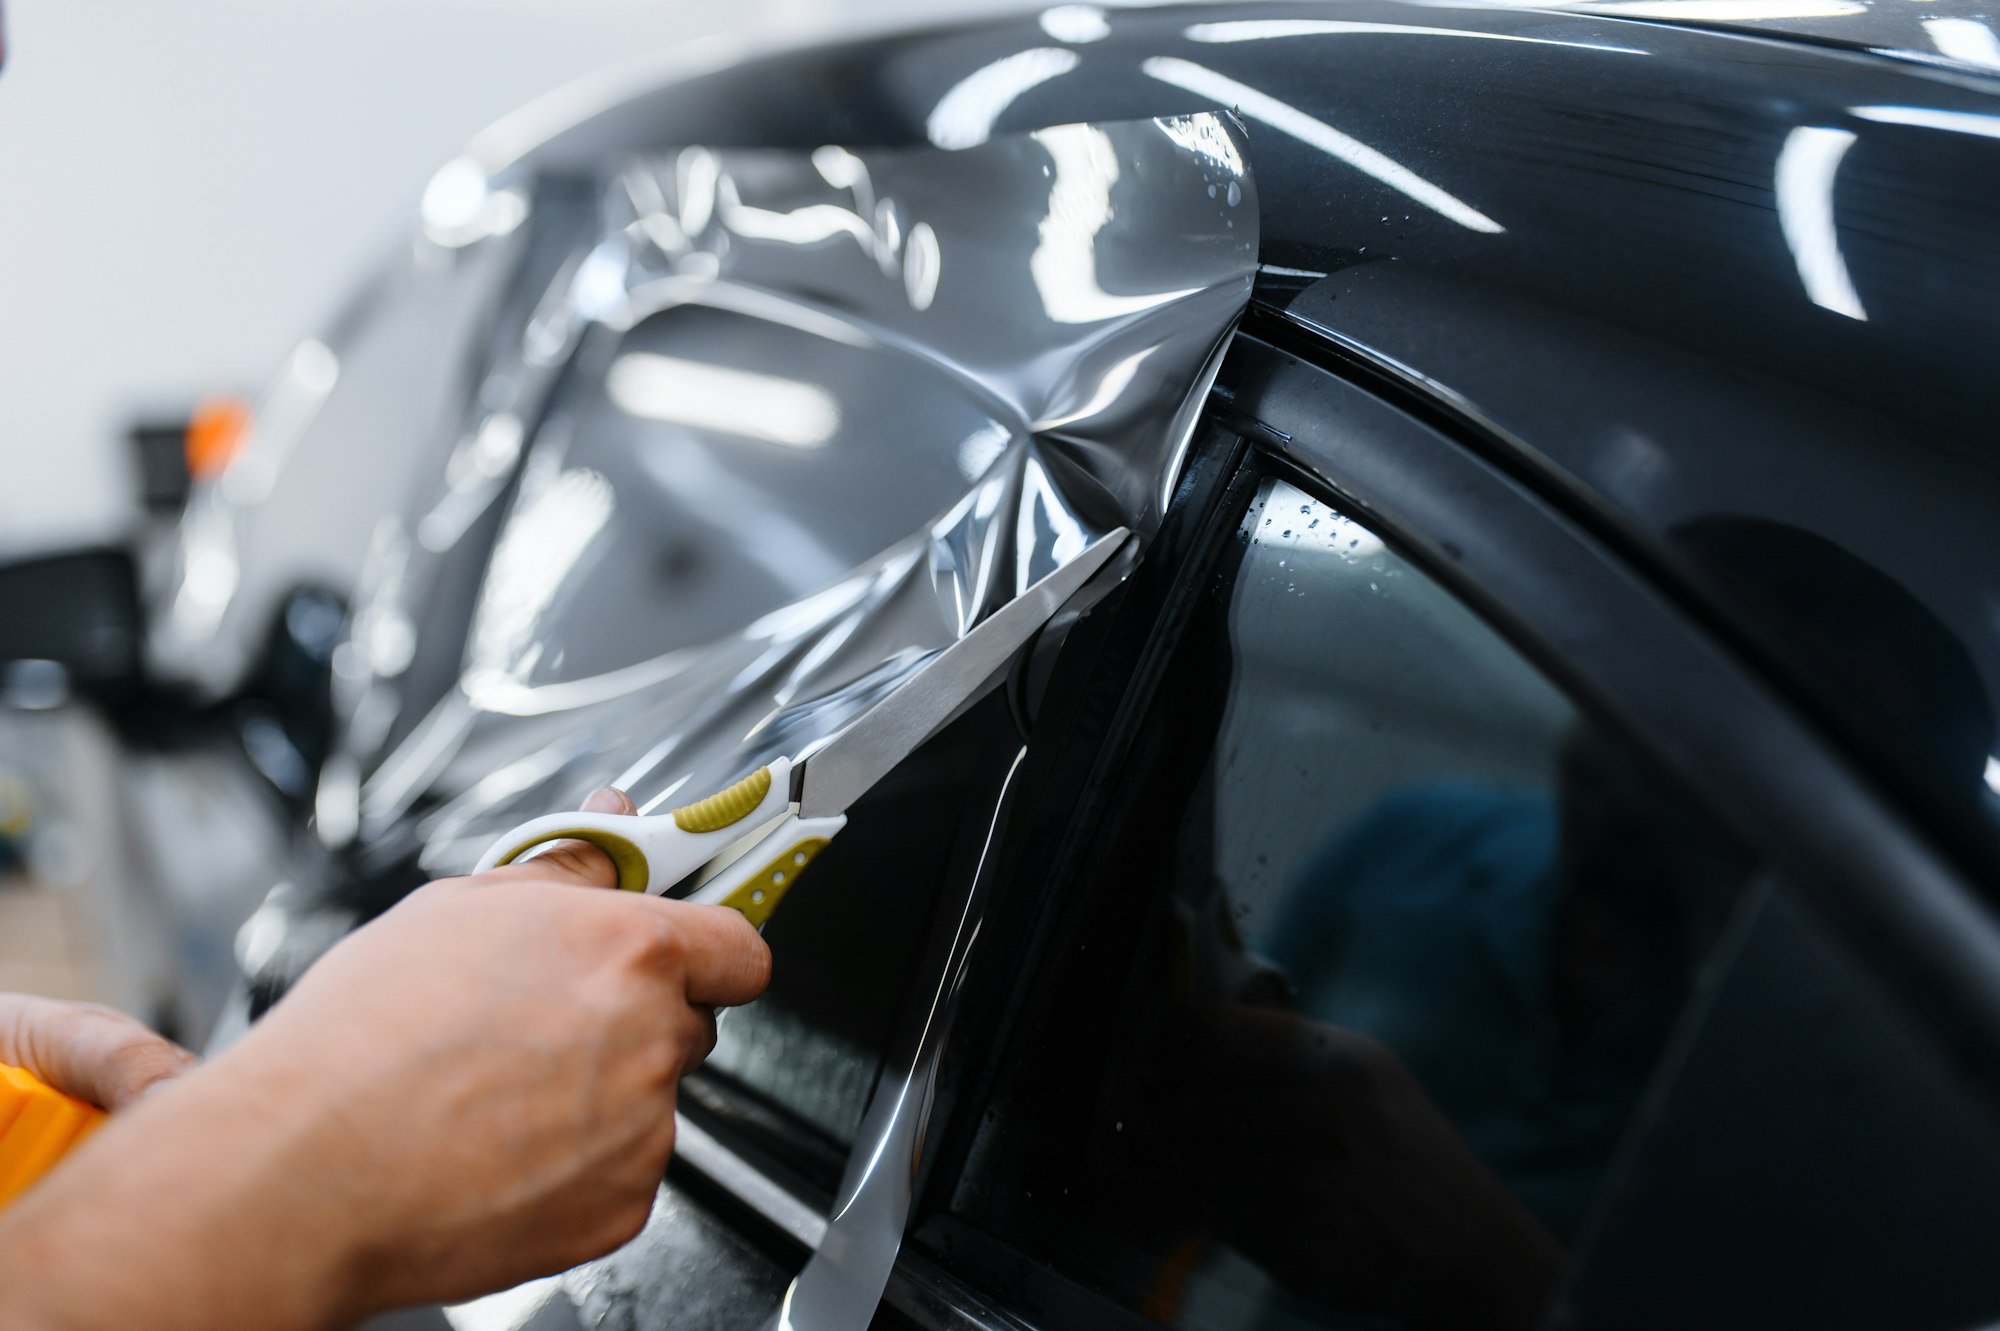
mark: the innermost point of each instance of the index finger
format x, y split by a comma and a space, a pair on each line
726, 959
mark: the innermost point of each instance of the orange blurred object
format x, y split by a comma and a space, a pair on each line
215, 431
39, 1125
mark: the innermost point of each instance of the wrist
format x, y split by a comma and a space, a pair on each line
155, 1220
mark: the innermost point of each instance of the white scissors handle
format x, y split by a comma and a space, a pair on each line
654, 852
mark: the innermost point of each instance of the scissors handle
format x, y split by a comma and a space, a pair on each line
654, 852
755, 882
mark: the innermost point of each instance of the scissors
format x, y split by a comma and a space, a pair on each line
745, 845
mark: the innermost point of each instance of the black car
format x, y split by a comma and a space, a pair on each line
1514, 842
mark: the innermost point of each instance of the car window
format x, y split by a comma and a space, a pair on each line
1384, 943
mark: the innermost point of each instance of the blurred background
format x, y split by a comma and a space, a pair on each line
190, 190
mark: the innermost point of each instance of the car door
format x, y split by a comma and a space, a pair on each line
1459, 938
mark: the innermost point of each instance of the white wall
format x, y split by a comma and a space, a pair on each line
187, 188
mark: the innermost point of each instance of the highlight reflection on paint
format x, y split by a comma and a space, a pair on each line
1964, 39
1288, 119
964, 117
1083, 166
1807, 165
1257, 30
1927, 117
720, 399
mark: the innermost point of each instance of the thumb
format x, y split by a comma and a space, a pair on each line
90, 1052
579, 860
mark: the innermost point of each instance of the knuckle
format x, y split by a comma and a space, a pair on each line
579, 860
660, 941
115, 1035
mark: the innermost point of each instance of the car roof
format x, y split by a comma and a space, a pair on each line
1729, 294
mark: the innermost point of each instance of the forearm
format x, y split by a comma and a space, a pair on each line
180, 1213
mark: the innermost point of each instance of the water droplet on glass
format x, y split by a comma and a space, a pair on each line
1288, 531
1211, 191
1235, 194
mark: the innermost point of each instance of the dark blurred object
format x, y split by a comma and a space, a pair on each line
160, 450
78, 610
286, 717
173, 454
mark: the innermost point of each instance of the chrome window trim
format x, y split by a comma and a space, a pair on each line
701, 1151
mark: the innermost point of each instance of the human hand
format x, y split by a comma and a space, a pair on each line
94, 1053
475, 1089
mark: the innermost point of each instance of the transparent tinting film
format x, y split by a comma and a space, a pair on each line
793, 422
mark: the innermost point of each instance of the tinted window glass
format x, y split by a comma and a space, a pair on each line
845, 944
1383, 944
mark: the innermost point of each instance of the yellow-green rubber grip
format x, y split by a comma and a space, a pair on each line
634, 873
759, 894
725, 806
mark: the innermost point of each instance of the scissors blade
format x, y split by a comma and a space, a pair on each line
833, 777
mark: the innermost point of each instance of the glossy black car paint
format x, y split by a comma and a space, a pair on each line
1634, 336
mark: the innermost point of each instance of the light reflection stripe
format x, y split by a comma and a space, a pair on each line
1804, 179
1964, 39
1256, 30
965, 115
1926, 117
702, 396
1288, 119
1721, 11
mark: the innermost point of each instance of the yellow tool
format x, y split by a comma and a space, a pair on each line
38, 1126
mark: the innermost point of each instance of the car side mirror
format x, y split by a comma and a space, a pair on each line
77, 611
